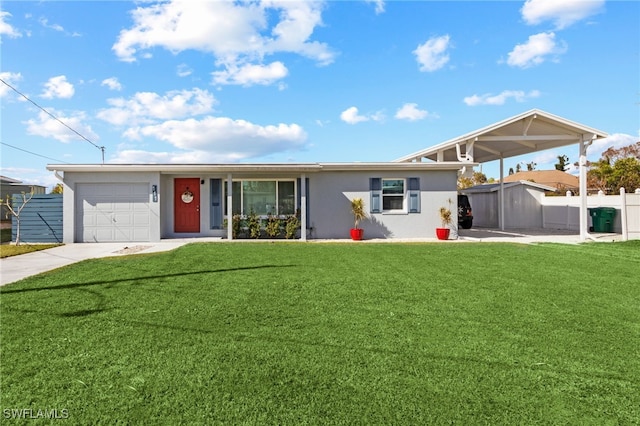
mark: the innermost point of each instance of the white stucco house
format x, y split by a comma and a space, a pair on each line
150, 202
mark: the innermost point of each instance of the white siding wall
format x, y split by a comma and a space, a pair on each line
522, 208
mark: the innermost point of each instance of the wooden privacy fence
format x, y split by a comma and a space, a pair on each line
40, 219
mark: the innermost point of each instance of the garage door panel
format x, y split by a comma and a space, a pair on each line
113, 212
142, 219
141, 234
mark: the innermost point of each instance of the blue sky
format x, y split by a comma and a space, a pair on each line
287, 81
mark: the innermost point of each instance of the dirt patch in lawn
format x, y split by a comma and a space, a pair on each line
132, 250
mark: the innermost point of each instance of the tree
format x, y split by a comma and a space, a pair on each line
57, 189
518, 168
510, 171
531, 166
561, 165
16, 210
632, 151
626, 174
623, 173
478, 179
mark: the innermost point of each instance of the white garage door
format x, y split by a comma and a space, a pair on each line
112, 212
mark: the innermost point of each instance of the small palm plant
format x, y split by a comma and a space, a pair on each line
357, 208
445, 216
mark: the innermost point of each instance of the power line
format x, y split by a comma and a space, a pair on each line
101, 148
33, 153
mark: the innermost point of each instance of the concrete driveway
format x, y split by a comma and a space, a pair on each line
527, 236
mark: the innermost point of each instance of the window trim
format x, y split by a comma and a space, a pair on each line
404, 209
241, 195
410, 201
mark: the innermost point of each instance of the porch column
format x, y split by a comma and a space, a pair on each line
303, 207
229, 207
501, 195
583, 188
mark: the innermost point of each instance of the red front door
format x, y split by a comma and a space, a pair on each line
186, 202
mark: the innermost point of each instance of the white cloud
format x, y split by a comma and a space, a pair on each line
536, 50
217, 139
46, 126
546, 160
432, 54
6, 28
135, 156
249, 74
562, 13
501, 98
11, 78
379, 4
58, 87
411, 112
184, 70
45, 23
169, 118
350, 116
149, 107
112, 83
616, 140
238, 34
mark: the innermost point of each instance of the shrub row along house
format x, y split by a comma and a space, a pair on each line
149, 202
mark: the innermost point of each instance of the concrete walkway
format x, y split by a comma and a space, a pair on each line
15, 268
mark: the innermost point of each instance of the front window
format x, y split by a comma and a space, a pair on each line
262, 197
392, 194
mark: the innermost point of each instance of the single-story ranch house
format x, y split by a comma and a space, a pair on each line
150, 202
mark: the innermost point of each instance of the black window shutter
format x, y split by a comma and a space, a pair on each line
375, 187
216, 203
414, 195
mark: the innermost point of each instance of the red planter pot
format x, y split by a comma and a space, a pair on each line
357, 234
443, 233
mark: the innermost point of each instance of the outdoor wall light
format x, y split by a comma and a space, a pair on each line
154, 192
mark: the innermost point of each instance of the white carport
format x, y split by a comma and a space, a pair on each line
526, 133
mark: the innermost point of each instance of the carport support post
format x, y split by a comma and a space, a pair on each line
303, 207
229, 207
501, 216
584, 143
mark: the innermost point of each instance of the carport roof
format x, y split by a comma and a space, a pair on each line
495, 187
529, 132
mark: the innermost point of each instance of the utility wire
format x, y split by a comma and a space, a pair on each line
33, 153
101, 148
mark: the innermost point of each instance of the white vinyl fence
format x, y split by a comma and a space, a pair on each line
563, 212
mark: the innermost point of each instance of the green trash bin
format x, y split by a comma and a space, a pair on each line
602, 218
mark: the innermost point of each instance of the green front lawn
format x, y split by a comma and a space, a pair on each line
294, 333
8, 250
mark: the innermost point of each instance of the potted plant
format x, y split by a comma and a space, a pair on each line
357, 209
445, 218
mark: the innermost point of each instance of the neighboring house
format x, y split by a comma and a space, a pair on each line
9, 186
559, 180
522, 204
148, 202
